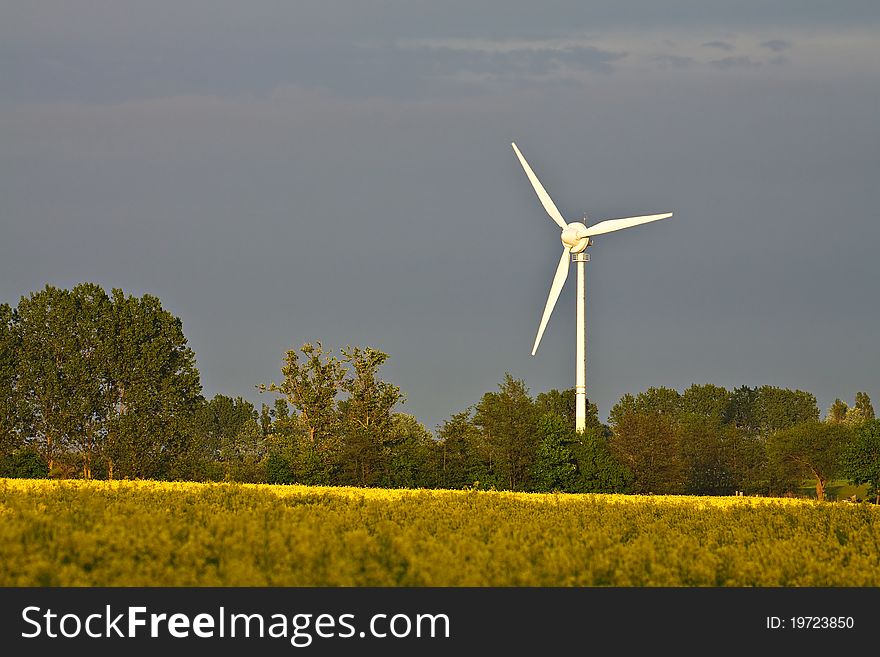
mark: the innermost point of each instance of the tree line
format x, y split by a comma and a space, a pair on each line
99, 385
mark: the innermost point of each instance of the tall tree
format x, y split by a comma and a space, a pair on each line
555, 467
311, 386
598, 470
648, 444
221, 419
284, 423
654, 400
367, 415
105, 378
745, 458
761, 411
464, 454
155, 389
704, 454
563, 403
265, 419
837, 412
63, 370
410, 448
861, 412
10, 436
861, 458
238, 437
863, 403
93, 365
742, 411
781, 408
811, 449
507, 420
706, 400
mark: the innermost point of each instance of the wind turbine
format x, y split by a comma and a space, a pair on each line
576, 237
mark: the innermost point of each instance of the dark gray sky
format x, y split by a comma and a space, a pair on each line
283, 172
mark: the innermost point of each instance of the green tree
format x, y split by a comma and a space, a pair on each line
278, 468
10, 434
228, 433
410, 449
154, 391
464, 454
23, 464
598, 470
811, 449
861, 458
555, 468
104, 381
704, 454
706, 400
861, 412
564, 404
648, 444
837, 412
508, 422
863, 403
659, 401
242, 453
311, 387
265, 419
367, 415
293, 458
781, 408
761, 411
63, 374
746, 460
280, 411
284, 423
742, 411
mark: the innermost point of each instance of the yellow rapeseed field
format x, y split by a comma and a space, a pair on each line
141, 533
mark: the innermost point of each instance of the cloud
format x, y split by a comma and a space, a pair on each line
428, 70
720, 45
431, 61
776, 45
353, 70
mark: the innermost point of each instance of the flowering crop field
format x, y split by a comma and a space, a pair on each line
134, 533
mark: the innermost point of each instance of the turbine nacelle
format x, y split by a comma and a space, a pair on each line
574, 237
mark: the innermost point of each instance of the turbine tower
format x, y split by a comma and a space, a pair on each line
576, 237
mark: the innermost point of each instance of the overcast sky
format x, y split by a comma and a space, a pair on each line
282, 172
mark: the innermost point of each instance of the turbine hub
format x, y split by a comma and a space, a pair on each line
573, 237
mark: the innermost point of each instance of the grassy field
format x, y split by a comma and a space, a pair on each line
837, 489
75, 533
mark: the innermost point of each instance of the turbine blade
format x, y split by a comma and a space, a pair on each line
610, 225
555, 289
544, 197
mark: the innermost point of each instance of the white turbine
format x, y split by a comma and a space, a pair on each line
575, 240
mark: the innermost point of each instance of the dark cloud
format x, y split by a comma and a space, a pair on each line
420, 71
720, 45
94, 75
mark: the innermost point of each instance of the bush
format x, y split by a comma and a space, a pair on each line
24, 464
